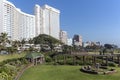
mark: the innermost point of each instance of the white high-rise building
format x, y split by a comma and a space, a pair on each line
39, 20
15, 23
27, 26
1, 16
63, 36
47, 21
69, 41
20, 25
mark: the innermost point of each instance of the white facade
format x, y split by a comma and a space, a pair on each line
1, 16
20, 25
39, 20
69, 41
91, 43
16, 23
27, 26
63, 36
47, 21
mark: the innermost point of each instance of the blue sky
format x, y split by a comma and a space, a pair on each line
94, 20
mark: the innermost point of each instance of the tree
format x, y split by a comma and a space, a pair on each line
67, 49
11, 49
46, 39
3, 39
30, 41
16, 43
23, 42
108, 46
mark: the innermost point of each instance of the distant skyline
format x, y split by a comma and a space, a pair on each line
94, 20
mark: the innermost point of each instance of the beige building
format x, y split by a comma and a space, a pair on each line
63, 36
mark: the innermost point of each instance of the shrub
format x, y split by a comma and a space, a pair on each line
24, 61
111, 64
70, 62
5, 76
9, 67
48, 59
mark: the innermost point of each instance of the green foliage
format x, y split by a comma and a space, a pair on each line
9, 67
108, 46
8, 71
43, 39
5, 76
30, 41
24, 61
48, 59
69, 62
11, 49
57, 72
46, 39
3, 38
112, 64
66, 48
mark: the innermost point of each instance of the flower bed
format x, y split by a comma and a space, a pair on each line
102, 70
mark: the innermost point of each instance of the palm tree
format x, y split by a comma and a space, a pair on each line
16, 43
30, 41
23, 42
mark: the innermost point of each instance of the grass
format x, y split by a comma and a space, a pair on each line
51, 72
11, 56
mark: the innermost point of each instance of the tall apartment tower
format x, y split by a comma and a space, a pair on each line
77, 40
20, 25
39, 20
47, 21
15, 23
1, 16
63, 36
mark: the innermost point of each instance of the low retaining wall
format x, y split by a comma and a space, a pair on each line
90, 71
110, 71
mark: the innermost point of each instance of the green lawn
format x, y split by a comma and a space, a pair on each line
11, 56
49, 72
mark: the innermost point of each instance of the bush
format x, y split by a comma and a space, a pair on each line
5, 76
60, 62
48, 59
70, 62
9, 67
111, 64
24, 61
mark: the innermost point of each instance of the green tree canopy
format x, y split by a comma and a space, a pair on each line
3, 38
46, 39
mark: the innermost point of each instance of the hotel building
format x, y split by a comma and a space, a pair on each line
47, 21
15, 23
19, 25
63, 37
